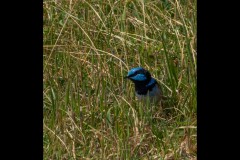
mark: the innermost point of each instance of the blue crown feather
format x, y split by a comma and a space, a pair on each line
134, 70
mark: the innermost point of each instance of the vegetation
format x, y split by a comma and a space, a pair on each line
90, 110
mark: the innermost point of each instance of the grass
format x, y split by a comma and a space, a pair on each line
90, 110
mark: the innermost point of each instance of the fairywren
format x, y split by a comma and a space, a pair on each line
145, 85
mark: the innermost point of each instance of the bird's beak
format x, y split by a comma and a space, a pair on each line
126, 77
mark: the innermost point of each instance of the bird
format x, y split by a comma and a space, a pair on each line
146, 87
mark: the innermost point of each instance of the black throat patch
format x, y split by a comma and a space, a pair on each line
142, 89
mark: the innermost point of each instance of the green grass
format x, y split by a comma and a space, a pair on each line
90, 110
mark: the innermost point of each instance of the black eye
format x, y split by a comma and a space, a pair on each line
141, 71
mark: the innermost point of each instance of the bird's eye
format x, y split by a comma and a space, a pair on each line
140, 71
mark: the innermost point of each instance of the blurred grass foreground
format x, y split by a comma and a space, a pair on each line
90, 110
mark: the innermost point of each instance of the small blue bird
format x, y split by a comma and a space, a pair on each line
145, 85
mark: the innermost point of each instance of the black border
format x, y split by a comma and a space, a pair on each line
217, 42
22, 76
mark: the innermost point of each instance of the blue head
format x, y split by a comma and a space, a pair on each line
139, 75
